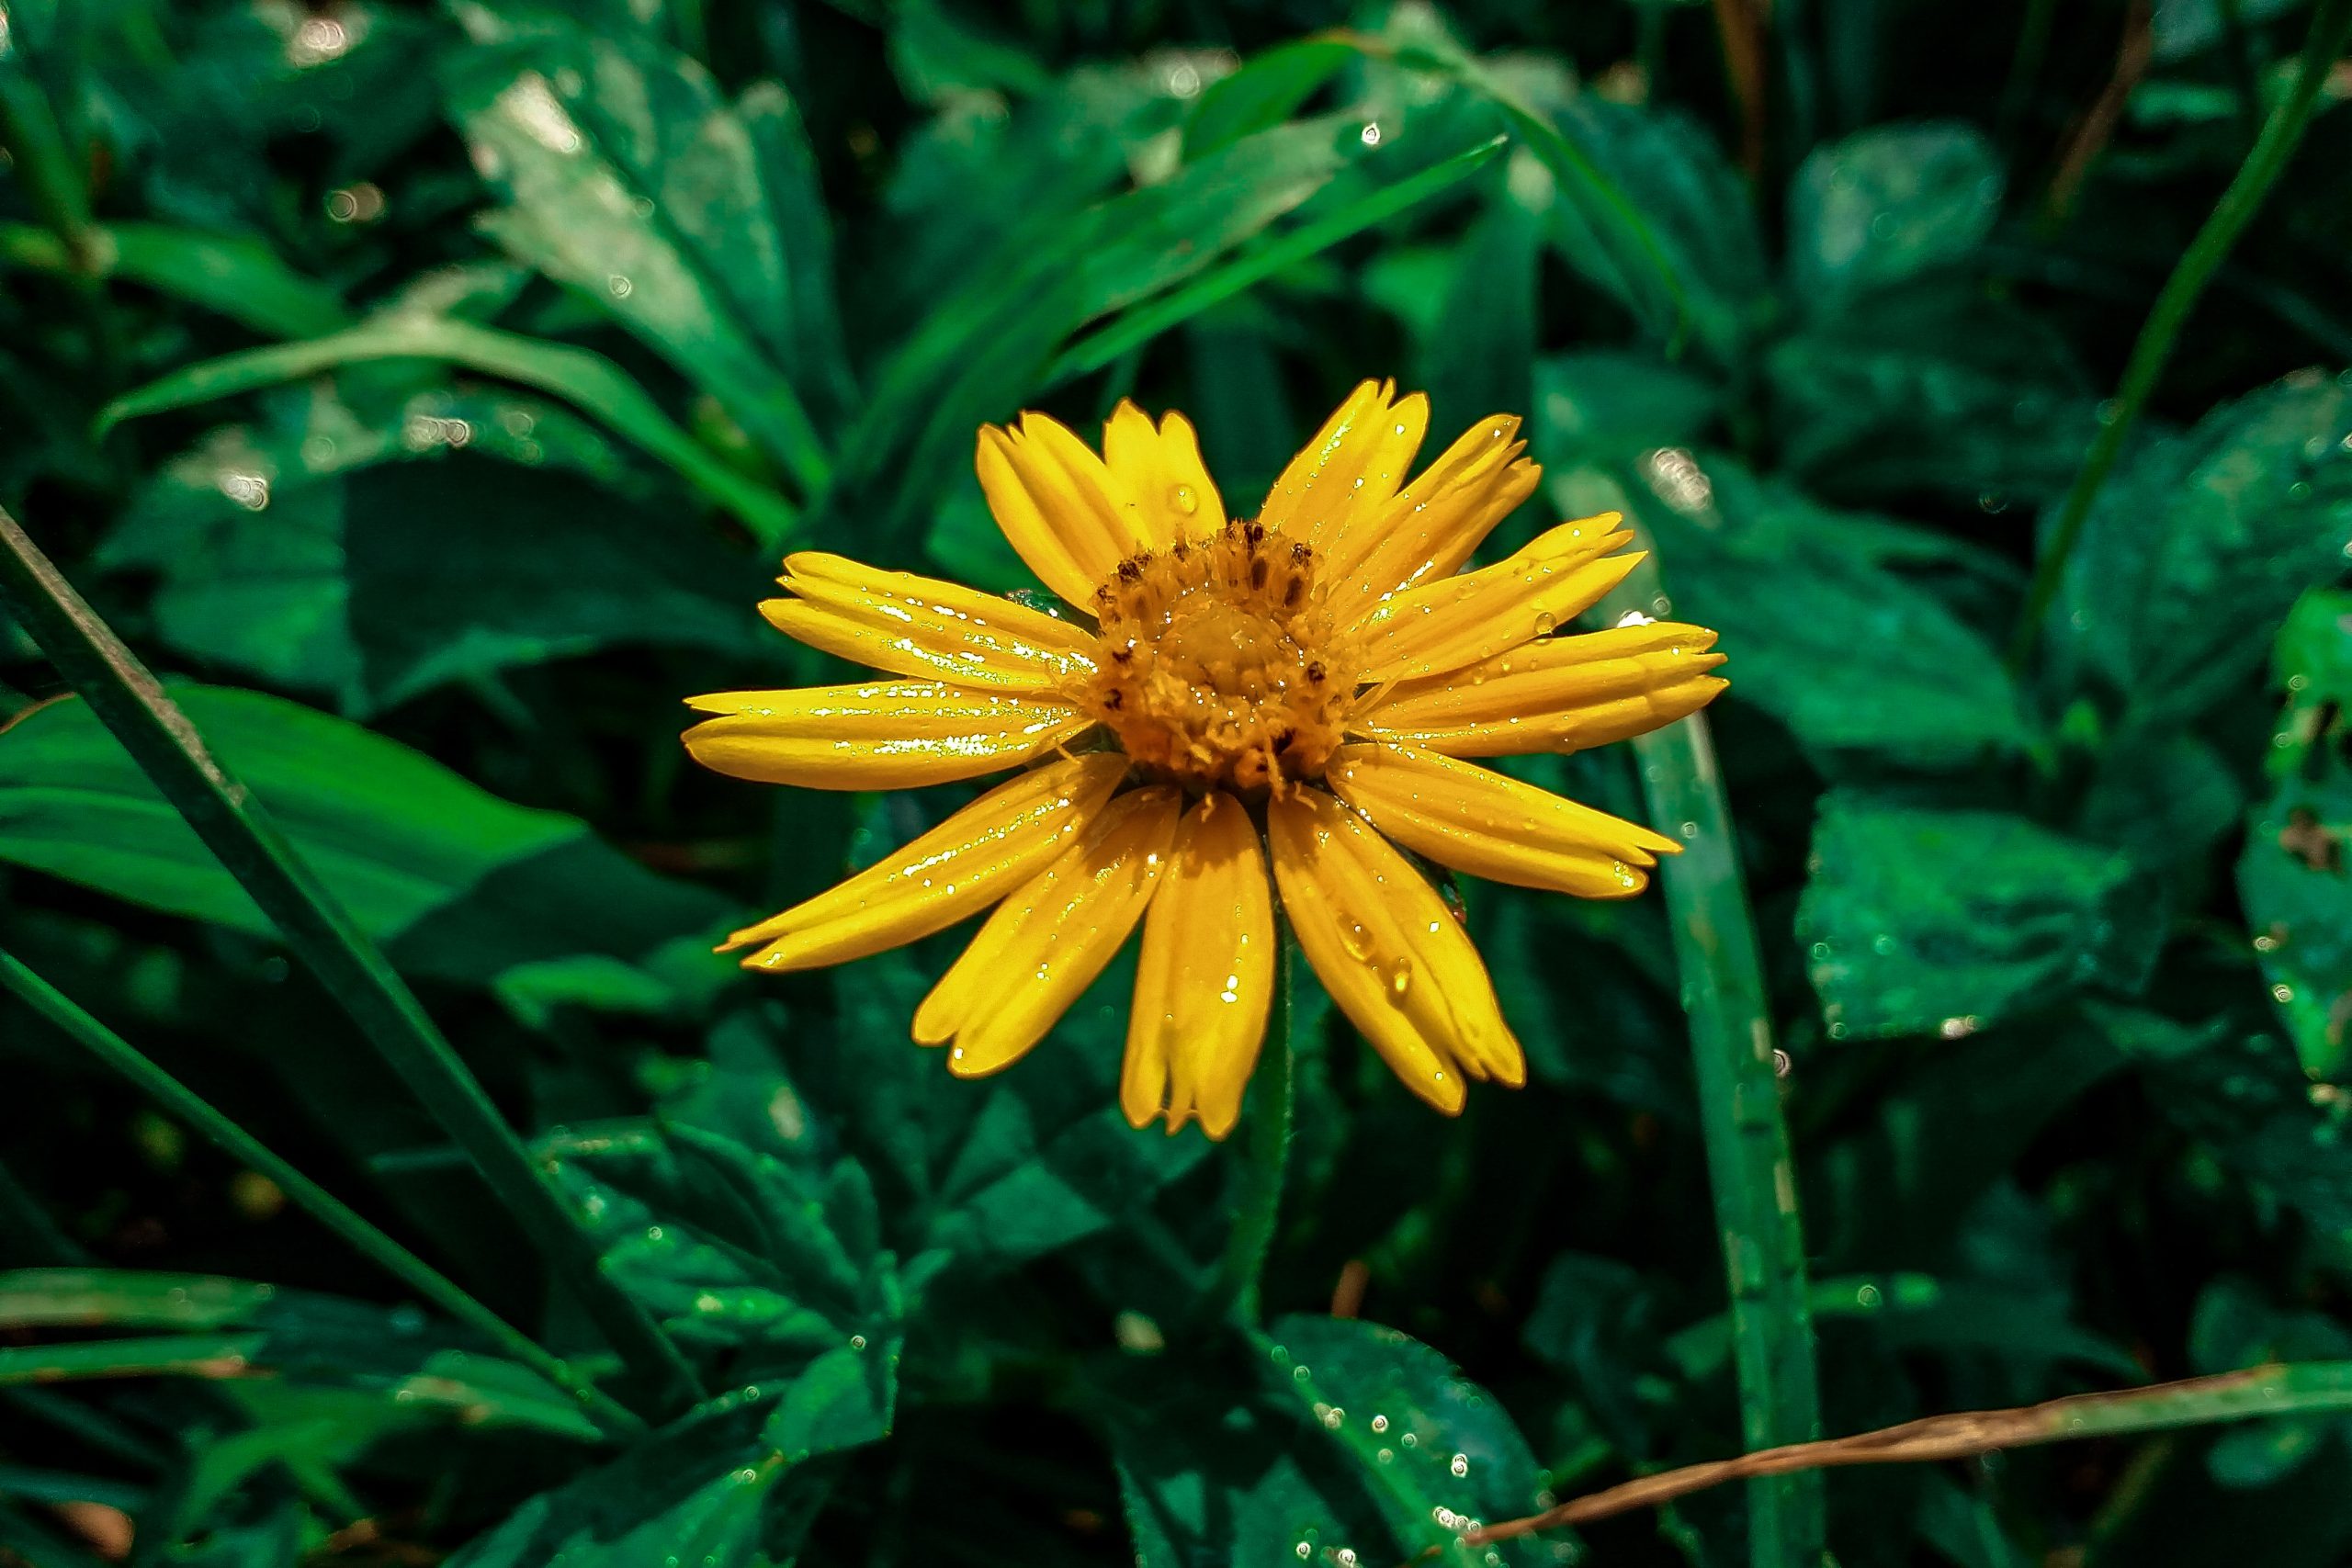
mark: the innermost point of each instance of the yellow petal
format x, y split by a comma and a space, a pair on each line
876, 735
1161, 474
1455, 621
1049, 940
1478, 820
1557, 694
1058, 506
1352, 466
1436, 523
1205, 978
960, 868
924, 627
1392, 955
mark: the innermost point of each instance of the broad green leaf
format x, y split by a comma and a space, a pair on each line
1477, 358
1931, 386
2199, 544
236, 275
1609, 406
458, 882
1889, 203
2235, 1326
702, 1492
627, 177
586, 380
332, 547
1923, 921
2312, 661
1795, 589
1270, 87
1437, 1453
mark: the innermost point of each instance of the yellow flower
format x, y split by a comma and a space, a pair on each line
1300, 688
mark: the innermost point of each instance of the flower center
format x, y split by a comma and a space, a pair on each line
1216, 664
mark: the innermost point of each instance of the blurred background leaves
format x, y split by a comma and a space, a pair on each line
427, 393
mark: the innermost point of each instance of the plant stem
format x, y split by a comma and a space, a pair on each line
1748, 1166
1258, 1206
2331, 27
2300, 1389
232, 824
321, 1205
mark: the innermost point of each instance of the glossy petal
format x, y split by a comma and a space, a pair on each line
876, 735
921, 626
1480, 822
1058, 506
1435, 523
1557, 694
1206, 978
1161, 477
960, 868
1456, 621
1352, 466
1392, 955
1050, 938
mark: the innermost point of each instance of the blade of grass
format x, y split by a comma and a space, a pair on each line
1221, 283
397, 1260
2296, 1389
186, 1355
2330, 29
1748, 1166
129, 702
588, 381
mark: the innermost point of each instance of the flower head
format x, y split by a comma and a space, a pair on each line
1295, 689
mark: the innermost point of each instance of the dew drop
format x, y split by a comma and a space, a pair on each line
1183, 499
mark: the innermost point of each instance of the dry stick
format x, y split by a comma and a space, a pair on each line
2230, 1396
1740, 24
2098, 128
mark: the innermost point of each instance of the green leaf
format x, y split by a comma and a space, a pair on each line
330, 546
1889, 203
739, 1252
1932, 387
1270, 87
626, 176
588, 381
1610, 405
1436, 1452
238, 276
703, 1490
1927, 920
458, 882
2200, 544
1792, 585
2291, 876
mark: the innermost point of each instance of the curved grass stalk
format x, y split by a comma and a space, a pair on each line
1749, 1169
233, 826
321, 1205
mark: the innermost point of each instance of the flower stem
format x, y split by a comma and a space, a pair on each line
1258, 1205
2331, 27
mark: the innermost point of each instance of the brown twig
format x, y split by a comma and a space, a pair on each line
1741, 24
2099, 123
1960, 1435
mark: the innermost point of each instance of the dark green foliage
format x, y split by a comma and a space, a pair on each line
428, 394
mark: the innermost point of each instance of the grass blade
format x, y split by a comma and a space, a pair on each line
1139, 326
2330, 29
1749, 1164
588, 381
321, 1205
127, 698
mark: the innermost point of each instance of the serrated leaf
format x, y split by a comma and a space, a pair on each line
1921, 920
2199, 544
1889, 203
